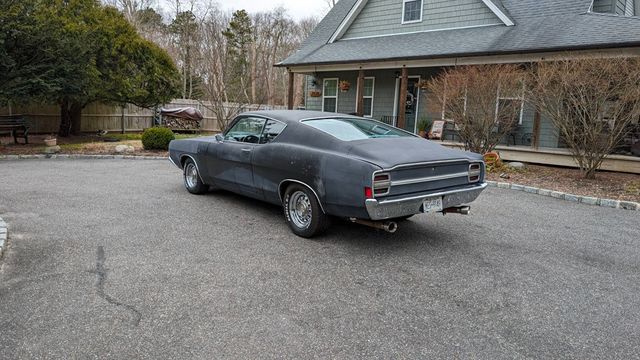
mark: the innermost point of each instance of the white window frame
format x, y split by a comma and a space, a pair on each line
373, 92
324, 81
412, 21
521, 98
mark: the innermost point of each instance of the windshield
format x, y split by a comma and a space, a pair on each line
349, 129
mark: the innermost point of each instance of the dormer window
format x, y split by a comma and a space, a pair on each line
411, 11
617, 7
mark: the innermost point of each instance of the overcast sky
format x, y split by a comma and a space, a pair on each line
297, 9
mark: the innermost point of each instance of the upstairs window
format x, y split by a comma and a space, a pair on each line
411, 11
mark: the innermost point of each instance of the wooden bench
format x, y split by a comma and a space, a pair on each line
16, 125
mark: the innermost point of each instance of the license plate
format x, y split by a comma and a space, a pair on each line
431, 205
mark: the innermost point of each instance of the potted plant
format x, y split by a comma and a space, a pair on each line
423, 127
344, 85
423, 84
50, 140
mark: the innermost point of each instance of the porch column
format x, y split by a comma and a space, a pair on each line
360, 92
290, 91
535, 138
402, 108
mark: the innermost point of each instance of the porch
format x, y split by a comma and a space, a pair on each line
557, 157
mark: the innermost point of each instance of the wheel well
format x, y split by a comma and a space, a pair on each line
183, 159
286, 183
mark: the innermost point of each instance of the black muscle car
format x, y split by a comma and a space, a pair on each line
319, 165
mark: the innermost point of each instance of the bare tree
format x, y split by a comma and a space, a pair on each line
470, 97
591, 102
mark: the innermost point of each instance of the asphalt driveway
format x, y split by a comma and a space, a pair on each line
114, 259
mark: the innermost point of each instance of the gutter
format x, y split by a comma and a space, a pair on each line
469, 54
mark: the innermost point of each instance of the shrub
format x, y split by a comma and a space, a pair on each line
157, 138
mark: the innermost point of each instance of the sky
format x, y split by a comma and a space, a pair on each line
297, 9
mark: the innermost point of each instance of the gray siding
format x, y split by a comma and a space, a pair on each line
384, 17
312, 103
603, 6
384, 99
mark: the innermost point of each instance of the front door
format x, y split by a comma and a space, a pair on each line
234, 155
412, 102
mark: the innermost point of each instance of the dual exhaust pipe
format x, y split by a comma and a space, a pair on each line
392, 226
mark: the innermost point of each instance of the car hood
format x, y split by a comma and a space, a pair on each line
389, 152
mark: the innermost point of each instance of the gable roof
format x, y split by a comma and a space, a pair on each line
539, 26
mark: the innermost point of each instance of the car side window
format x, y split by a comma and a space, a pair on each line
272, 129
248, 129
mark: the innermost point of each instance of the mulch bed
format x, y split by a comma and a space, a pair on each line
606, 185
85, 144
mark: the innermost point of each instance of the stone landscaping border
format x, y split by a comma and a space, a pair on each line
589, 200
80, 156
4, 234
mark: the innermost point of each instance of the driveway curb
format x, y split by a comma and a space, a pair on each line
589, 200
4, 232
81, 156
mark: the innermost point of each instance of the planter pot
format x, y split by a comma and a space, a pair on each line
315, 93
422, 134
51, 142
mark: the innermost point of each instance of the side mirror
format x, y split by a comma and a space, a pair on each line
219, 137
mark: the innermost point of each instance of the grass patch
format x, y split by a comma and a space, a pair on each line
73, 147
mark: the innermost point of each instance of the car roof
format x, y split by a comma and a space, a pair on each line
293, 116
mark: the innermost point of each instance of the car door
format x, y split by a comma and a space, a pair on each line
267, 161
234, 153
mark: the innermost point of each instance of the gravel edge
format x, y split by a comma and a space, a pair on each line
588, 200
81, 156
4, 233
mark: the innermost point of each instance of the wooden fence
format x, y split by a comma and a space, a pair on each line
46, 118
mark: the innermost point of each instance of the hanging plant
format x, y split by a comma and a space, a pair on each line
315, 93
344, 85
423, 84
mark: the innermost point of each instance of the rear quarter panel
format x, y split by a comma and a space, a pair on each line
337, 179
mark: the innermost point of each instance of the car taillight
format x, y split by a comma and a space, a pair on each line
368, 193
474, 172
381, 184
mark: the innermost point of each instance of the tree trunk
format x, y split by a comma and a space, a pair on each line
65, 118
76, 118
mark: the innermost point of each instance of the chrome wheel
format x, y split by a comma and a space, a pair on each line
191, 175
300, 211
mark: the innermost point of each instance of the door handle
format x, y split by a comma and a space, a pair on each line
246, 150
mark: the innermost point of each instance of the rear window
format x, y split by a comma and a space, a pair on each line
349, 129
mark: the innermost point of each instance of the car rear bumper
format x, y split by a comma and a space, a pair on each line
404, 206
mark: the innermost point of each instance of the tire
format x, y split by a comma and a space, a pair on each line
303, 212
192, 180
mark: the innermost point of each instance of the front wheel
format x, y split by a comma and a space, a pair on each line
303, 212
192, 180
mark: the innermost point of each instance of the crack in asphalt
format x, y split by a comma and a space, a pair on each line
101, 273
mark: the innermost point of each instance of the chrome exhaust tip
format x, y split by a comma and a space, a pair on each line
462, 210
390, 227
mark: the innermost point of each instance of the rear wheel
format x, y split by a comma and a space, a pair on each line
192, 180
303, 212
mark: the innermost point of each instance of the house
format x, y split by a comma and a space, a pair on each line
383, 48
